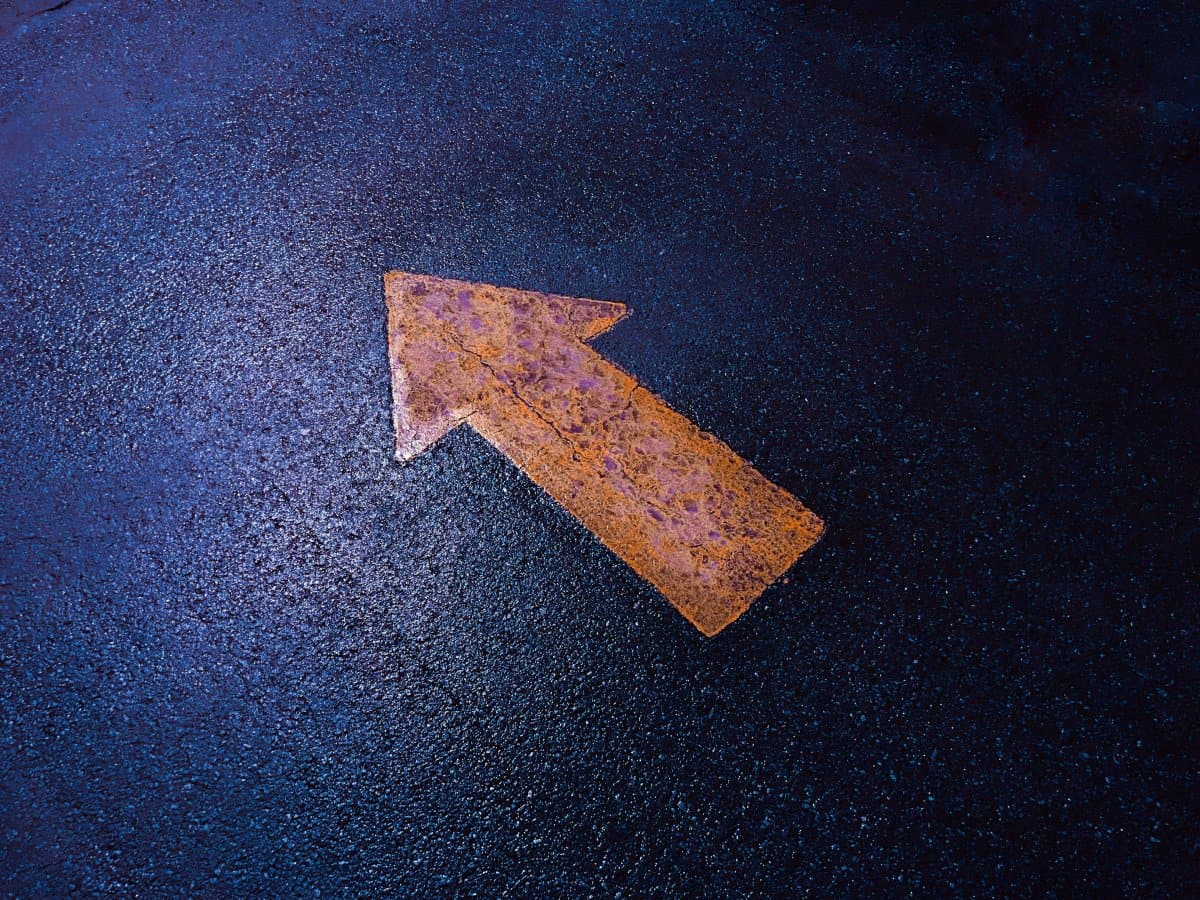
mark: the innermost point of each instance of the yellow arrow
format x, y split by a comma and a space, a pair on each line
683, 510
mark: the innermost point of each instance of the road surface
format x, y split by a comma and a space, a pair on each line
933, 274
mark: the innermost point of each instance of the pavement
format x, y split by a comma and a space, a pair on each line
931, 272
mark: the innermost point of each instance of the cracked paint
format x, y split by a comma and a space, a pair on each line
676, 504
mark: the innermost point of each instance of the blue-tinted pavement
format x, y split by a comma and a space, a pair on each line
932, 273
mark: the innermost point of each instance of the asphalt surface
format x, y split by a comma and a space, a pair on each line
932, 273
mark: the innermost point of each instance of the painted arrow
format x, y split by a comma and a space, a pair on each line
683, 510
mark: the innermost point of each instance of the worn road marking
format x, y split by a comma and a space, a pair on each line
682, 509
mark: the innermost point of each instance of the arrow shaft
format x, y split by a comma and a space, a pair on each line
679, 506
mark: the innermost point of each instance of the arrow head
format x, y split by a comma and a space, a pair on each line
453, 343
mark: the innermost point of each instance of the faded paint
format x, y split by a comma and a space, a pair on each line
682, 509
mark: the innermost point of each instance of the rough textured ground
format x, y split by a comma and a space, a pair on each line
243, 652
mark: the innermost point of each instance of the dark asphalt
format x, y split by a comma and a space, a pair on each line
934, 274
